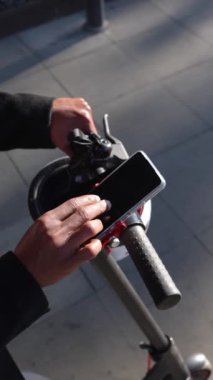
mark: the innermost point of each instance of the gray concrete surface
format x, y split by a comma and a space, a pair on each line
152, 72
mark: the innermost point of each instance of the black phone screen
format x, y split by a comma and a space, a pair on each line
127, 185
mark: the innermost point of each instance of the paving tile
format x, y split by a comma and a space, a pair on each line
189, 181
46, 33
183, 8
62, 40
100, 284
13, 194
80, 339
190, 322
30, 161
129, 18
41, 83
11, 235
94, 276
132, 279
166, 229
195, 15
200, 22
71, 290
150, 119
195, 88
33, 376
119, 314
166, 49
102, 75
16, 59
207, 238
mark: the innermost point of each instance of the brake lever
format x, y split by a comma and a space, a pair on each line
93, 155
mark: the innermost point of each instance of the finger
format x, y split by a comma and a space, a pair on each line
90, 250
87, 253
84, 214
69, 207
86, 106
88, 125
92, 127
78, 238
82, 102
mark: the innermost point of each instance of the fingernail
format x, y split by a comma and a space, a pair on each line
109, 204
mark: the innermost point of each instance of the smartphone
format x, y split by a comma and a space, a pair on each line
132, 183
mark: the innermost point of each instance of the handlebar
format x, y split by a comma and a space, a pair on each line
94, 158
155, 276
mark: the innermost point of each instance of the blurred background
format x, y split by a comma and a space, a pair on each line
151, 70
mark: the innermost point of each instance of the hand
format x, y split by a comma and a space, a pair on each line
67, 114
62, 239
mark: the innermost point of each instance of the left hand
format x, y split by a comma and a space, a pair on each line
62, 239
68, 114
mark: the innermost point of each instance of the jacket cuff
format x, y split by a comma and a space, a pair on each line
36, 117
25, 121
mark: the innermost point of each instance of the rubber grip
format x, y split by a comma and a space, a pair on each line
155, 276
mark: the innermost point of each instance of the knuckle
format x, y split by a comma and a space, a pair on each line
88, 107
47, 234
92, 253
43, 227
83, 213
91, 228
54, 240
42, 223
95, 248
85, 113
72, 204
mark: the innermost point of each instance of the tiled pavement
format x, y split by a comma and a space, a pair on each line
151, 70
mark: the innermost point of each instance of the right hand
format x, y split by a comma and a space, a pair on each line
67, 114
62, 239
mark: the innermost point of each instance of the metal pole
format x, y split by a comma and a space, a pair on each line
127, 294
95, 19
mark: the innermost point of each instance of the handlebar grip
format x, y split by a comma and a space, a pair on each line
155, 276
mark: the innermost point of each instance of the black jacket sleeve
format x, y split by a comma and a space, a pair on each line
21, 298
24, 121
